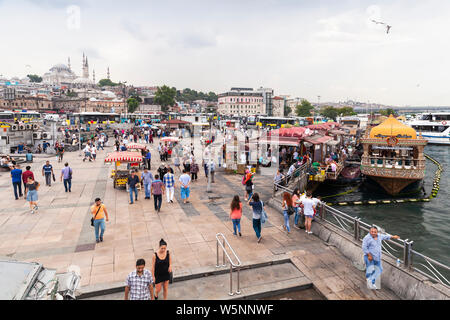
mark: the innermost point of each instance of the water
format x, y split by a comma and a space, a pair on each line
427, 223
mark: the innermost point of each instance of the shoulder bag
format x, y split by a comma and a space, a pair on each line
93, 219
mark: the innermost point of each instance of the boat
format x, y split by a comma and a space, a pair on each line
393, 155
435, 127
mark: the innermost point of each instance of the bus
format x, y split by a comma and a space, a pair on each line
7, 116
29, 116
92, 118
141, 117
274, 122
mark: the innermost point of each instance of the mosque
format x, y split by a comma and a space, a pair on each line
62, 75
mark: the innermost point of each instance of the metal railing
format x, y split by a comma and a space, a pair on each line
401, 250
283, 182
222, 241
396, 163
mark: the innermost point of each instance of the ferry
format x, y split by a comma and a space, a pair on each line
435, 127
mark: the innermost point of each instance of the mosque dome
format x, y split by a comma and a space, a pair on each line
83, 81
391, 127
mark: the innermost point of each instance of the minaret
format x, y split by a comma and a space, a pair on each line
85, 67
109, 75
68, 64
93, 75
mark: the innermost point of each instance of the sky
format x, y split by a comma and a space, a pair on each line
299, 48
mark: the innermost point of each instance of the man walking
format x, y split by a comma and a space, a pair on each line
372, 255
99, 213
133, 181
27, 174
185, 181
148, 159
147, 179
169, 183
157, 189
47, 171
16, 176
139, 283
66, 174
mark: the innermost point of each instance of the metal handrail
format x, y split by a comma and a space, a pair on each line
408, 253
232, 264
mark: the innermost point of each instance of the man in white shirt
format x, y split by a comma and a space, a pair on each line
308, 204
87, 153
94, 152
185, 182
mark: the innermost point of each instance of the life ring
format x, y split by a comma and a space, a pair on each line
444, 123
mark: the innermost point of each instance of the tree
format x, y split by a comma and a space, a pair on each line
287, 111
34, 78
107, 83
387, 112
165, 97
346, 111
304, 108
133, 105
330, 112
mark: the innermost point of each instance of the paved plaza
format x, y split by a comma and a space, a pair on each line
60, 235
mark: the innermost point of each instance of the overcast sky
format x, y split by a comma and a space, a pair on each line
299, 48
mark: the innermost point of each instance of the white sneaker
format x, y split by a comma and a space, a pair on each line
310, 232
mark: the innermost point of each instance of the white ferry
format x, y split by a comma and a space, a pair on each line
435, 127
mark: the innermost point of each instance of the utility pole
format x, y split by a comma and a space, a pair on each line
208, 189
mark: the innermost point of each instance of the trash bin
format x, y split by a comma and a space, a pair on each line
29, 157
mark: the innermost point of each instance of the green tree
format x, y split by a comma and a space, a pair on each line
387, 112
304, 108
287, 110
330, 112
133, 105
346, 111
165, 97
107, 83
34, 78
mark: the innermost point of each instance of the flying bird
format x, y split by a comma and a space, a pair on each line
388, 27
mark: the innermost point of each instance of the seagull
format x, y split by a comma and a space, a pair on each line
388, 27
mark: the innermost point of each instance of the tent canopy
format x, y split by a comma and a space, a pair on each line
137, 146
126, 156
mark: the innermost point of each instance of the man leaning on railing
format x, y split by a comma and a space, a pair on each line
372, 255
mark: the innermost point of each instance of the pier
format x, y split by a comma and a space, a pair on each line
60, 235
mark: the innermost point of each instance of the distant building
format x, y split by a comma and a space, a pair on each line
241, 101
278, 106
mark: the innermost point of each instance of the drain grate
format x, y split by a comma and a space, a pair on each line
85, 247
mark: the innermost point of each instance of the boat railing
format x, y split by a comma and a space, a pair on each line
393, 163
400, 250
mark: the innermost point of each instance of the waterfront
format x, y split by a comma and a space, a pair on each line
425, 223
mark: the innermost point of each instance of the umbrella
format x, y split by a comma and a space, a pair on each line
125, 156
170, 139
136, 146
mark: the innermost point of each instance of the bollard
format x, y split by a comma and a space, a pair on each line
217, 246
356, 230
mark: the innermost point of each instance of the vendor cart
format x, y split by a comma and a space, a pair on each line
124, 162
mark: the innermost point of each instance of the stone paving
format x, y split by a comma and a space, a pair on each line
60, 235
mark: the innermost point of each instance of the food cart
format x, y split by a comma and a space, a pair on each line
121, 172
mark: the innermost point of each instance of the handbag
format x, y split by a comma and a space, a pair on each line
54, 178
290, 211
263, 214
93, 219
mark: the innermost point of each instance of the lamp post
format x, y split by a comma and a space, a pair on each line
208, 189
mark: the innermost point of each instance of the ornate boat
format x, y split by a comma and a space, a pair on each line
393, 155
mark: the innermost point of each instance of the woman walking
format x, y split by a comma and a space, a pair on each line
32, 195
162, 269
295, 197
248, 184
257, 206
287, 208
236, 215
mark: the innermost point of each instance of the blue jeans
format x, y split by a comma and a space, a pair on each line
286, 220
297, 215
99, 224
131, 194
257, 227
236, 223
17, 185
373, 269
147, 189
68, 184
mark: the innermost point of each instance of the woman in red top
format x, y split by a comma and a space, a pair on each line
236, 214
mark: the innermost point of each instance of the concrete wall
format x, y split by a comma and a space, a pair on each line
406, 284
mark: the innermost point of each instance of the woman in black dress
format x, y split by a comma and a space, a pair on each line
162, 267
